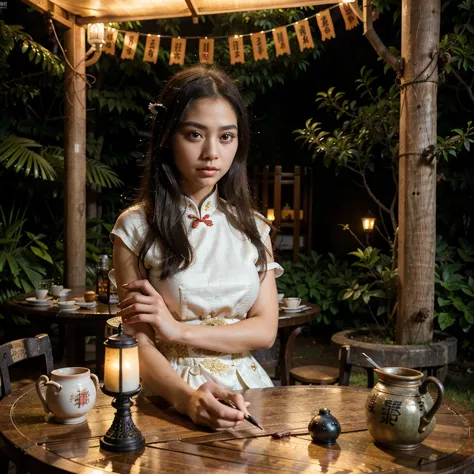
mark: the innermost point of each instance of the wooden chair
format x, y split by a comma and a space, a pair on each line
22, 349
309, 374
17, 351
297, 185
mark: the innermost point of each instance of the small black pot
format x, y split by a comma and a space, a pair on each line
324, 428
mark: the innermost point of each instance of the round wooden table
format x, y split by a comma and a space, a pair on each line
75, 325
175, 445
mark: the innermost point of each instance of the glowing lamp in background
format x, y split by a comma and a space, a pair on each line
368, 223
271, 215
96, 34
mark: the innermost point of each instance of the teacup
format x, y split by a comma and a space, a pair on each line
280, 297
41, 294
70, 393
66, 304
292, 303
56, 290
89, 296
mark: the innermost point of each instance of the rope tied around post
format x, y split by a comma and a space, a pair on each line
428, 154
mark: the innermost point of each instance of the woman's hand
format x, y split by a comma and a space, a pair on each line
147, 306
204, 408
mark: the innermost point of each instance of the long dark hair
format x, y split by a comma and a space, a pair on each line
160, 192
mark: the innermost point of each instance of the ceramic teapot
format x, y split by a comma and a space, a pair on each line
70, 393
399, 410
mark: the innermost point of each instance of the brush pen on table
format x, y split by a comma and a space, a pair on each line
248, 417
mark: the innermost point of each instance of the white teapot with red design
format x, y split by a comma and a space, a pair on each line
70, 393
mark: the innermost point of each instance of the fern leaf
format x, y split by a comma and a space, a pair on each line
101, 174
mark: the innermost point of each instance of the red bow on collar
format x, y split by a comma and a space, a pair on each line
197, 220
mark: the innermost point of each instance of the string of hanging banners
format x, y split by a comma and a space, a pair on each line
235, 42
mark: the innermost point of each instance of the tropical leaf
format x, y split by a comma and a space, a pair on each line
6, 293
101, 174
50, 62
6, 45
19, 252
17, 152
34, 272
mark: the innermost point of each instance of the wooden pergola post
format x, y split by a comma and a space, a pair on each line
417, 179
75, 158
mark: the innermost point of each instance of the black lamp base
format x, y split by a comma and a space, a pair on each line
122, 435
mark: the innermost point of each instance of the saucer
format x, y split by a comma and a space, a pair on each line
85, 304
66, 305
75, 308
32, 300
301, 307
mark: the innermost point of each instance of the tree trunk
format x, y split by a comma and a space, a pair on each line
417, 183
75, 159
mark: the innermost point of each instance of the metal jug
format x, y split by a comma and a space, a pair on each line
399, 410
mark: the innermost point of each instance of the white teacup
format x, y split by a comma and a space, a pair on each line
280, 297
292, 303
41, 294
56, 290
66, 304
70, 393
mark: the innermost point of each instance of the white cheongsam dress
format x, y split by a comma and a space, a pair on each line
218, 288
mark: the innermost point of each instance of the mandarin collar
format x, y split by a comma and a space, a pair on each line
208, 204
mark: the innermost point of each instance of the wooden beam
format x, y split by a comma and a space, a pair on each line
57, 13
417, 183
192, 8
118, 18
75, 159
137, 14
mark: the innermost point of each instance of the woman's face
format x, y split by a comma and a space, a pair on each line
205, 145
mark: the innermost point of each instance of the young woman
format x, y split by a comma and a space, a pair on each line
193, 260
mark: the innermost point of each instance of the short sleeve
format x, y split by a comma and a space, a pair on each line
132, 228
264, 230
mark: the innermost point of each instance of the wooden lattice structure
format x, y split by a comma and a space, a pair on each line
268, 191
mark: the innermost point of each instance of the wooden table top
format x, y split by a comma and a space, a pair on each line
175, 445
104, 311
101, 311
285, 319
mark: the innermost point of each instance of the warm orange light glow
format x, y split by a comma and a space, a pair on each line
368, 224
130, 369
271, 215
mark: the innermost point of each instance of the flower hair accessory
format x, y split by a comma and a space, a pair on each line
156, 107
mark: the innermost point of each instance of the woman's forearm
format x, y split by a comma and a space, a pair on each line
247, 335
160, 377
